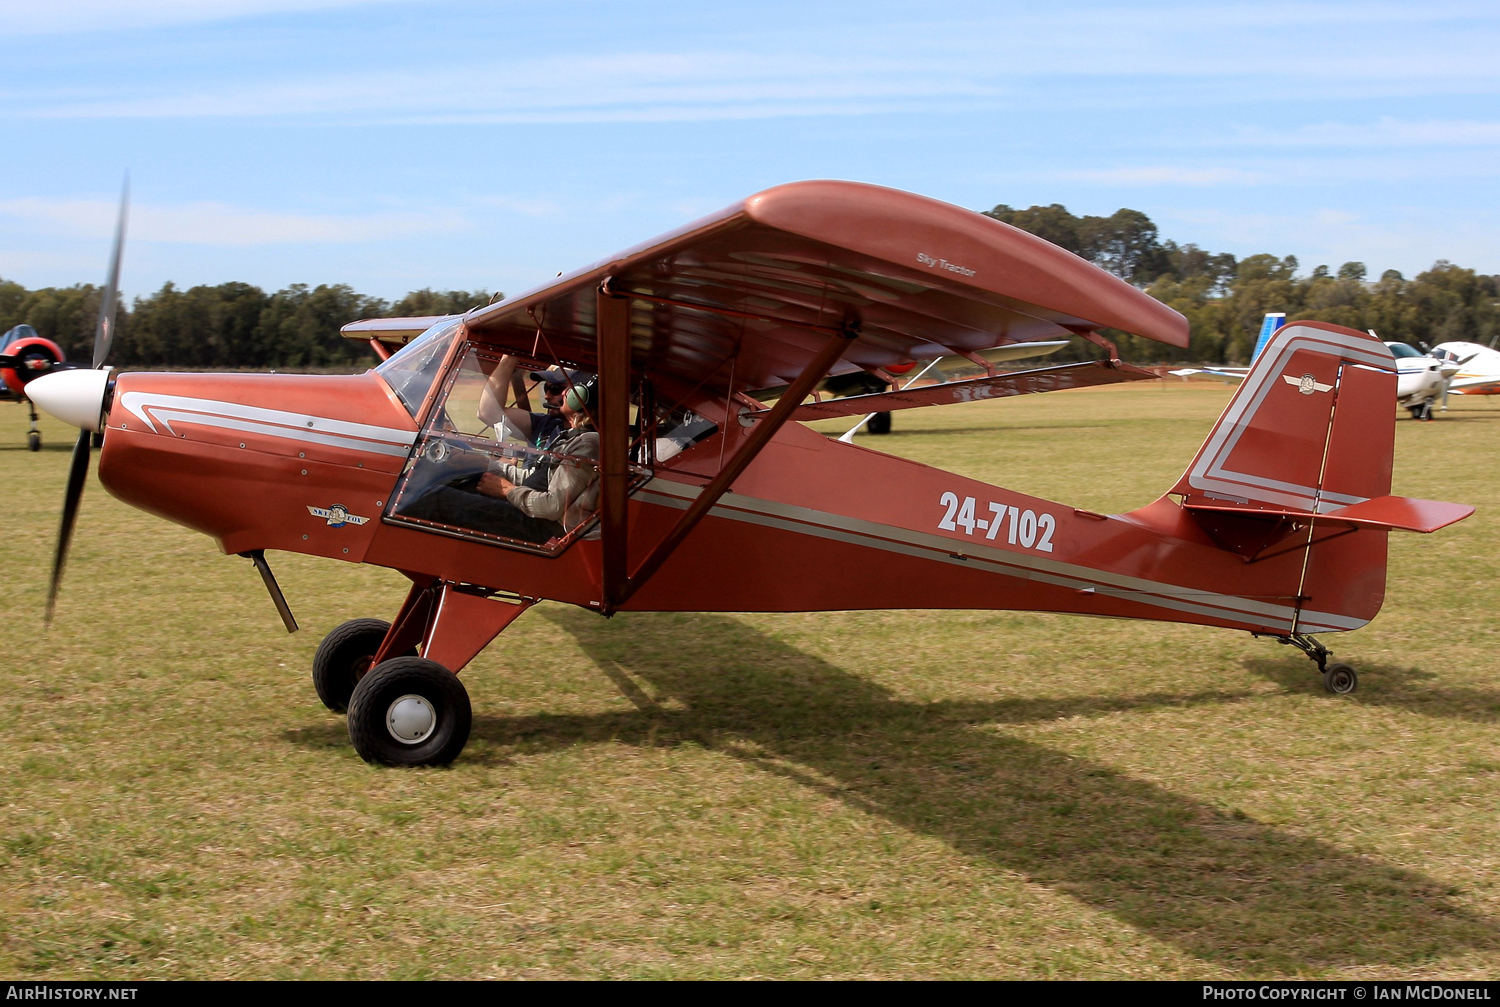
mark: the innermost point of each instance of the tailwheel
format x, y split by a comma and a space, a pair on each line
1340, 679
409, 711
33, 441
343, 658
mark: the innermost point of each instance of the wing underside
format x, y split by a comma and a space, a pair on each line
745, 298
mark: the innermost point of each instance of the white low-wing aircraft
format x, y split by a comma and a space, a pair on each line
1476, 367
1421, 379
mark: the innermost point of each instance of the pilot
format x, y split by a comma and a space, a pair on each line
537, 429
501, 502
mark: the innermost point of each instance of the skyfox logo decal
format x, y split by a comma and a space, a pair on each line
1307, 384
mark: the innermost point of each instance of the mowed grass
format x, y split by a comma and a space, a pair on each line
862, 794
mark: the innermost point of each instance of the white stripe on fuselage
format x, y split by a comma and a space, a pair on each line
153, 408
924, 545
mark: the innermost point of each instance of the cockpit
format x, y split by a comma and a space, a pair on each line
494, 464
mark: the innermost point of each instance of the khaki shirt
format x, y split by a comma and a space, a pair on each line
572, 494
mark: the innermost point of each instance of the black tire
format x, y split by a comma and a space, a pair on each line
33, 441
343, 658
97, 441
1340, 679
406, 684
880, 423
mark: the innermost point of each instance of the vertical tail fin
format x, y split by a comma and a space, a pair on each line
1311, 429
1268, 326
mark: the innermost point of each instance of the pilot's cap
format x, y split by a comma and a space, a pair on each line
559, 378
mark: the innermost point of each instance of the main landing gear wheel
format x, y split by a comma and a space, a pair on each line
1421, 412
343, 658
409, 711
1340, 679
33, 441
880, 423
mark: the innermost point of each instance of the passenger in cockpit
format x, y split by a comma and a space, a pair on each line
501, 502
572, 492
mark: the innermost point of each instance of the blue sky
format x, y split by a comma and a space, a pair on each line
394, 145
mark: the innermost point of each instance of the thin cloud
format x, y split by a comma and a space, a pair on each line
27, 17
640, 86
1384, 133
1143, 56
1164, 175
220, 225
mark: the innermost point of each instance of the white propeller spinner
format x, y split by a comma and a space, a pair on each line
76, 397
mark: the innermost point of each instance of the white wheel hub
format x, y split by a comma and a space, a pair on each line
411, 719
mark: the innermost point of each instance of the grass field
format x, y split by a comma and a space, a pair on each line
864, 794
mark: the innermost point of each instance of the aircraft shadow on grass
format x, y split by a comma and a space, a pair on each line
1220, 887
1410, 689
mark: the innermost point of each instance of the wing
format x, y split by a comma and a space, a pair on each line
389, 334
1233, 375
747, 296
1479, 385
1045, 379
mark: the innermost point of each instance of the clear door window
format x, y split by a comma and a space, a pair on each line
474, 475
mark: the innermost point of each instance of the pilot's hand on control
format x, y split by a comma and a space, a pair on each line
492, 484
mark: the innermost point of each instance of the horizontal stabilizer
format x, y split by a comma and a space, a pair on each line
1382, 513
1042, 379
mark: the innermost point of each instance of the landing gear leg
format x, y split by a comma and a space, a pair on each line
1338, 678
33, 435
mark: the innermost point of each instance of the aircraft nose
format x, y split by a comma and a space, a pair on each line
76, 397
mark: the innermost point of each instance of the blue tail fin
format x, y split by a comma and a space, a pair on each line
1273, 321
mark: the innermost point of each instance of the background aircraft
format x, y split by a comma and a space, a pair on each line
25, 356
1422, 379
1476, 367
1273, 321
1278, 527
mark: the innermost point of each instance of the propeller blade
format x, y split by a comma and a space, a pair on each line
104, 334
78, 473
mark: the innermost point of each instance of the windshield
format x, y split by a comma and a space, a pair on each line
1402, 350
411, 372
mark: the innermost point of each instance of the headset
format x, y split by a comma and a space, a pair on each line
579, 397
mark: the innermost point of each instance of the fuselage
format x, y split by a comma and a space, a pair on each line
309, 464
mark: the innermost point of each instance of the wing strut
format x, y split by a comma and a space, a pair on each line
614, 322
613, 333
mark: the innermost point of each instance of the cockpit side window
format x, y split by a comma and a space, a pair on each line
1403, 350
411, 372
473, 475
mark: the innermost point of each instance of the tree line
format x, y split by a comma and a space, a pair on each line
237, 325
231, 325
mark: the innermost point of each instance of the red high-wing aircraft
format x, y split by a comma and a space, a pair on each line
675, 488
